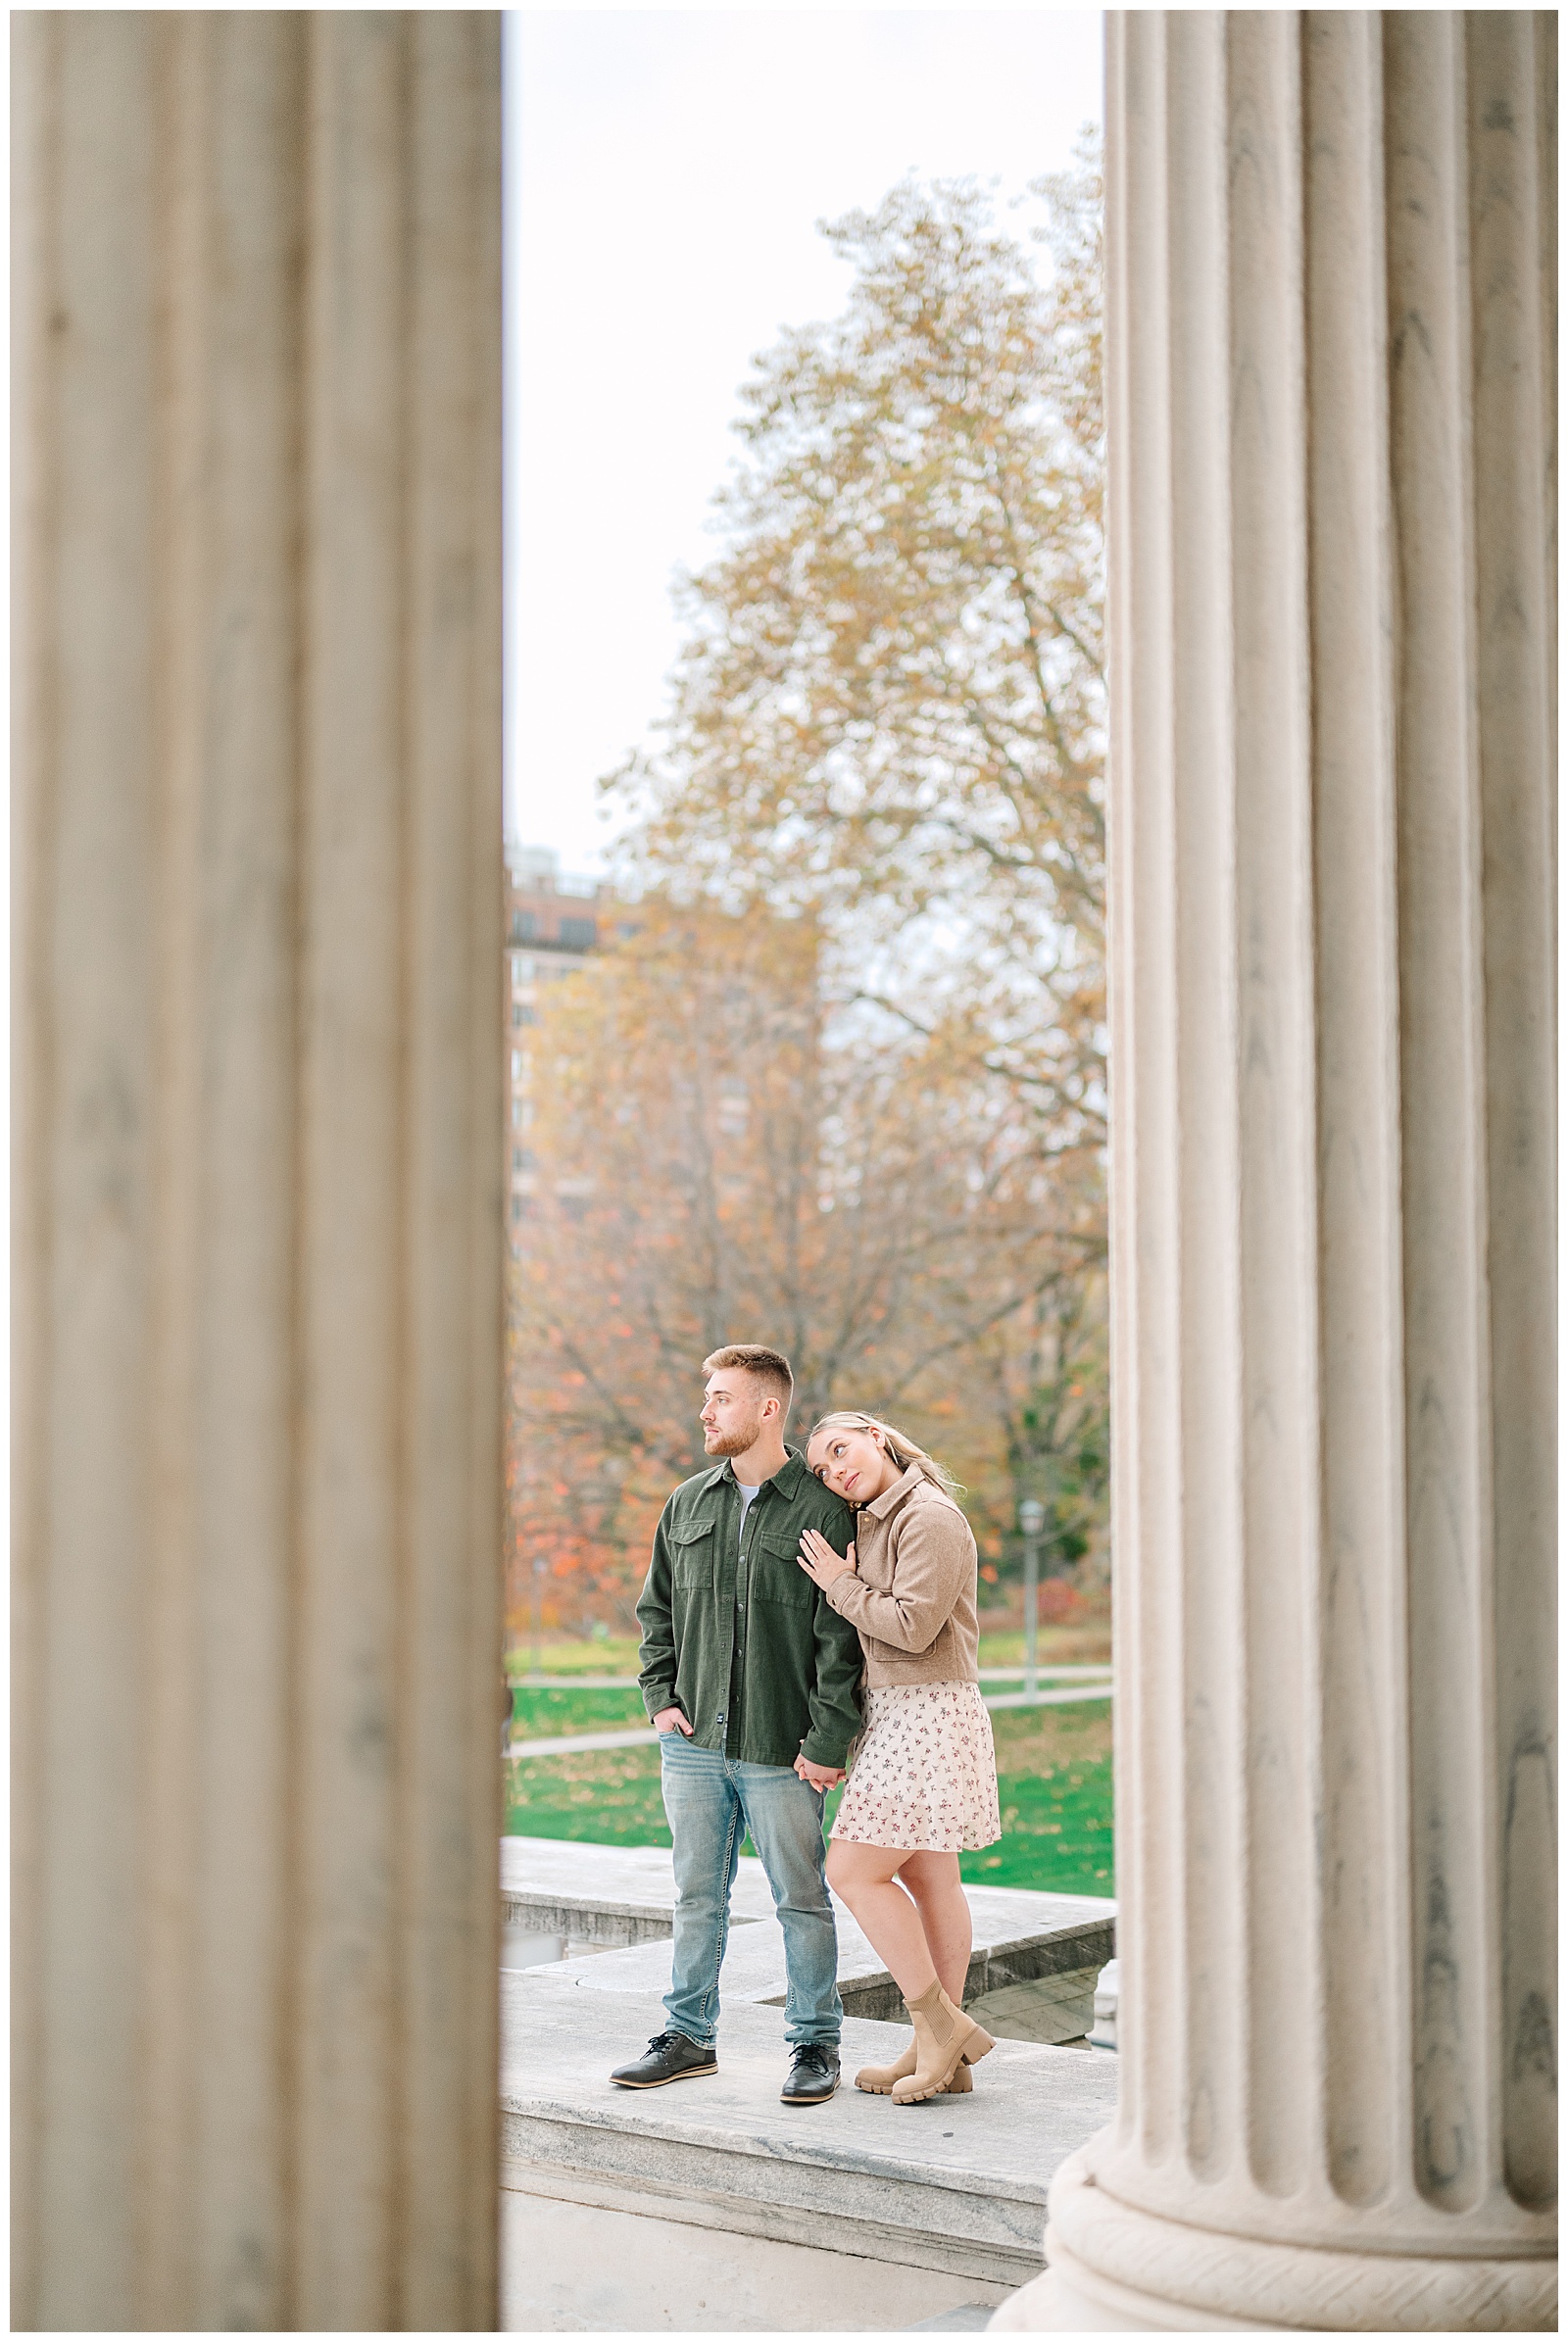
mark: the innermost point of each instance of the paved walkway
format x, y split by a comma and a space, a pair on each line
563, 1743
987, 1675
1065, 1697
639, 1735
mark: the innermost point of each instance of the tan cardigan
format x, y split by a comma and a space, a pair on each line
912, 1593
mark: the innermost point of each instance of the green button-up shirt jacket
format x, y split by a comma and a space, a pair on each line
734, 1632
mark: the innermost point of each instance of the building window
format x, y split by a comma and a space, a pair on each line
521, 968
517, 1065
578, 935
516, 1208
525, 927
522, 1014
517, 1113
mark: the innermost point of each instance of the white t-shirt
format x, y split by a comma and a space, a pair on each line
747, 1497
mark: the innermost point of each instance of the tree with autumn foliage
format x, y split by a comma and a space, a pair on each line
716, 1159
891, 706
890, 717
844, 1089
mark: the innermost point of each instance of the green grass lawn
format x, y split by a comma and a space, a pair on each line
1053, 1767
540, 1714
1054, 1773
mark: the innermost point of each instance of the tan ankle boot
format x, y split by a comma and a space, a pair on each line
944, 2039
879, 2079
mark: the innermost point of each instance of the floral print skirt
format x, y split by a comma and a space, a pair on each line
924, 1773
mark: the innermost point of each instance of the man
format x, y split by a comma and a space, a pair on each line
749, 1677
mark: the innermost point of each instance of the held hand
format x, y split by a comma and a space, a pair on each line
820, 1561
818, 1776
671, 1720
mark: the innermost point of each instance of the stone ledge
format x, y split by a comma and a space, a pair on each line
588, 1921
698, 2206
1059, 2008
607, 1894
625, 1896
955, 2185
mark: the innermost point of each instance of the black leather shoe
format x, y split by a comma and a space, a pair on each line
813, 2077
670, 2058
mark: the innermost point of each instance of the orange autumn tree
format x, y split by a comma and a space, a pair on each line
718, 1159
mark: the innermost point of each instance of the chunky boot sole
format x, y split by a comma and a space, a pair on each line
978, 2044
957, 2084
878, 2081
686, 2073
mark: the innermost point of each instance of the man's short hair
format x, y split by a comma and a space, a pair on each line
768, 1366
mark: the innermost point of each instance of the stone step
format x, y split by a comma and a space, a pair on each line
954, 2185
625, 1896
1058, 2008
607, 1894
754, 1964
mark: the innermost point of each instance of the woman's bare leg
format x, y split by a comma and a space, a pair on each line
864, 1877
933, 1881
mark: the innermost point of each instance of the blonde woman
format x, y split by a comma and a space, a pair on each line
922, 1782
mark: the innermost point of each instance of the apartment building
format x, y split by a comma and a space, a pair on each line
553, 921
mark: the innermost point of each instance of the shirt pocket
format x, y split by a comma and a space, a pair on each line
777, 1575
692, 1555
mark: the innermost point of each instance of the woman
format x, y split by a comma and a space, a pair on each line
923, 1777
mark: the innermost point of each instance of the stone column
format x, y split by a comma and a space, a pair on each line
257, 1168
1330, 331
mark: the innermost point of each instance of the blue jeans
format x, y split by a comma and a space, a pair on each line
712, 1801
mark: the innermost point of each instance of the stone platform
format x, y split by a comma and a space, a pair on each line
946, 2199
709, 2205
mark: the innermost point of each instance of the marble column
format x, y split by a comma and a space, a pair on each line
257, 1168
1331, 332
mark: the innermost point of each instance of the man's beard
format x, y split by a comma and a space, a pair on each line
731, 1442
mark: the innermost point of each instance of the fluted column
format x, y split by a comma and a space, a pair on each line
257, 866
1331, 332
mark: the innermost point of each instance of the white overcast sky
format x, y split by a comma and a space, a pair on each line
666, 172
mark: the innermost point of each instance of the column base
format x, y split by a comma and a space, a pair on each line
1053, 2305
1114, 2269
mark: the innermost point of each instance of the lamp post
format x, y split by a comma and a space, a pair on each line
536, 1619
1031, 1520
